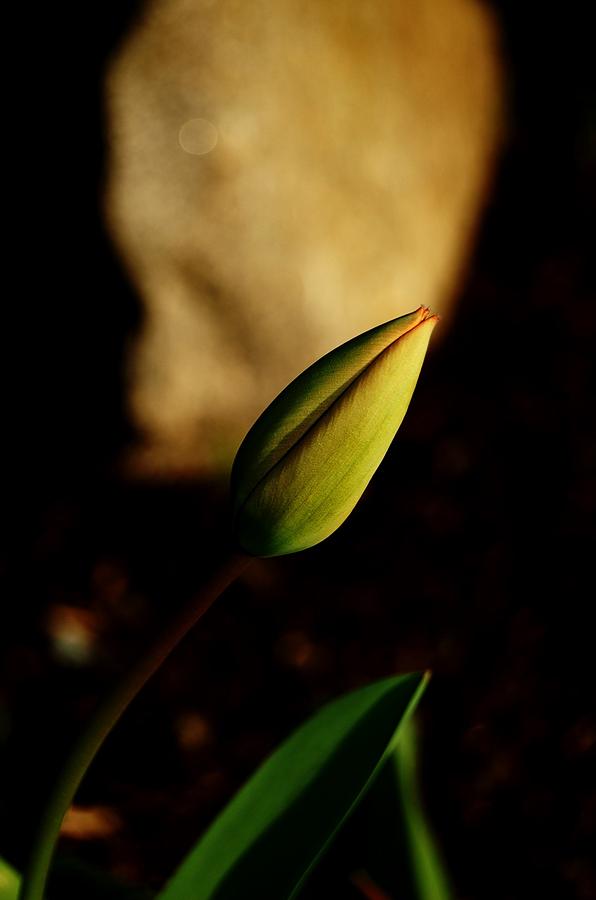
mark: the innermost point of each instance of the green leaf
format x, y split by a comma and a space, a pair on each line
387, 849
428, 872
9, 881
270, 836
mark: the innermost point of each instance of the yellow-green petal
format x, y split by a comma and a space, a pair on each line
306, 399
313, 486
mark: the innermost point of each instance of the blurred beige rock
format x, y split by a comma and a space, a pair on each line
283, 175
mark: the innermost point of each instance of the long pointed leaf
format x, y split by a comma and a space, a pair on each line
428, 872
387, 850
9, 881
273, 832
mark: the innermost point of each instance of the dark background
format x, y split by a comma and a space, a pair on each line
479, 565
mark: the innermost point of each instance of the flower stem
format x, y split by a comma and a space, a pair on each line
34, 881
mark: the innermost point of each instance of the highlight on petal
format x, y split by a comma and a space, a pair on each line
305, 463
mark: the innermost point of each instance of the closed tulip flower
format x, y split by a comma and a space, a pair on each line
306, 461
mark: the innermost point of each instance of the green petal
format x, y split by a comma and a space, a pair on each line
316, 484
306, 399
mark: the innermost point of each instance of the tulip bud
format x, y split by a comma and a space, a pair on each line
306, 461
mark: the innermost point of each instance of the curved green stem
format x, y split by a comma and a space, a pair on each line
35, 878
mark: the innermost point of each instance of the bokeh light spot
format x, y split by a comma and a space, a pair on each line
198, 136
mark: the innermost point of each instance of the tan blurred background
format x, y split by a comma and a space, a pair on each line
280, 177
